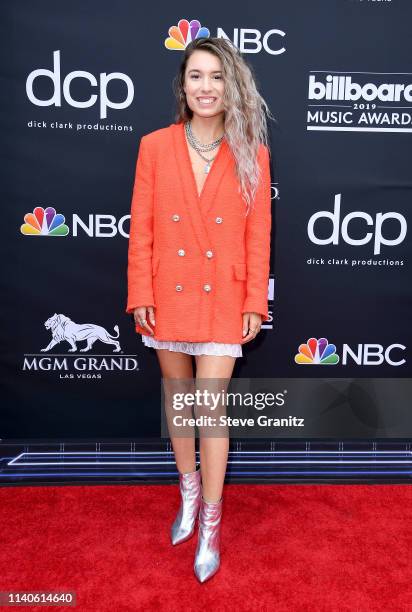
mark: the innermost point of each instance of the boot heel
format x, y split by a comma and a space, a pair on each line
190, 491
207, 556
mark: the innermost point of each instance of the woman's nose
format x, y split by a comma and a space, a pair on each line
206, 86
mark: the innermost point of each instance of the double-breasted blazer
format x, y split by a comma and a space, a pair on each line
200, 261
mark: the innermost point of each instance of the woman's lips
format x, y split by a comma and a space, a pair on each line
206, 101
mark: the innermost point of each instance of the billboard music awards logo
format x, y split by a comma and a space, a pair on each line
359, 101
318, 351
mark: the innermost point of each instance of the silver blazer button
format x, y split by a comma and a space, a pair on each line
175, 217
207, 287
209, 254
179, 287
181, 252
218, 219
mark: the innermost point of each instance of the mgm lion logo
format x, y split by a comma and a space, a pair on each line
63, 328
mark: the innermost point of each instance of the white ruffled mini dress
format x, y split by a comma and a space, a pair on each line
195, 348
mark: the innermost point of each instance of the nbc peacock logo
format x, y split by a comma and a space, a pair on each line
317, 351
44, 222
182, 34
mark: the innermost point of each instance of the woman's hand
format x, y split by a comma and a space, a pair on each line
141, 314
252, 322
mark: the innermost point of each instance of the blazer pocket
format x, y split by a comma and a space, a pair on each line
155, 265
239, 271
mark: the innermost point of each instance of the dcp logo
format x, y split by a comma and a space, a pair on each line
376, 223
104, 79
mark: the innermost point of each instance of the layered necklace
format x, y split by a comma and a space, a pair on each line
202, 148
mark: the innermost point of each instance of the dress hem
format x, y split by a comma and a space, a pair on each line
194, 348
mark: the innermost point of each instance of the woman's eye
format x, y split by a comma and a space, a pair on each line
194, 76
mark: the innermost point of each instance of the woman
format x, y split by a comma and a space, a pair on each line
199, 250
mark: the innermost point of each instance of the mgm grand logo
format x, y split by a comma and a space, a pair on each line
67, 335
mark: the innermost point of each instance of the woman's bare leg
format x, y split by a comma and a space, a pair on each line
214, 451
174, 364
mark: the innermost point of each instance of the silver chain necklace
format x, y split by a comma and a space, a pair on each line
199, 147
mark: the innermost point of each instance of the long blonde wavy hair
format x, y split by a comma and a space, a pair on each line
245, 122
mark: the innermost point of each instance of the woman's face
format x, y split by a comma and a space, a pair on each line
203, 84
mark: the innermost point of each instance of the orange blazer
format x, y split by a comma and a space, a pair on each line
198, 260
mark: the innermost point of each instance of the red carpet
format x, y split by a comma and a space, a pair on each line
284, 547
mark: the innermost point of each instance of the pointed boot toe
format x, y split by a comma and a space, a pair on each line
190, 491
207, 556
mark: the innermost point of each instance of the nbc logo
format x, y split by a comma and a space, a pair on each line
44, 222
182, 34
317, 351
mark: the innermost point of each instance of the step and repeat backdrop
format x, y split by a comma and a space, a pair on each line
82, 81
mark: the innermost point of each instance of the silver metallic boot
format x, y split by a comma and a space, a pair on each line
190, 490
207, 556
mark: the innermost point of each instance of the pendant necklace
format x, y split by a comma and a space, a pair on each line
199, 147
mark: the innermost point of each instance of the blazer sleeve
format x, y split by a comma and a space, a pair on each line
258, 237
139, 265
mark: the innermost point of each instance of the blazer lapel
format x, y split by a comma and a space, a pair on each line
199, 207
216, 175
